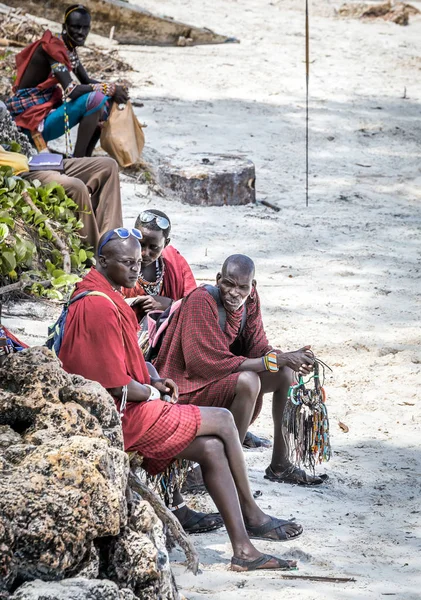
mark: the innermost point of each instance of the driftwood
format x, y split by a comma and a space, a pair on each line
67, 265
170, 521
132, 25
320, 578
21, 285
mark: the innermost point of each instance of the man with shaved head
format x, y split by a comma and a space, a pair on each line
100, 343
231, 364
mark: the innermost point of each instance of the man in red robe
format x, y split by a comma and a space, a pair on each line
221, 368
100, 343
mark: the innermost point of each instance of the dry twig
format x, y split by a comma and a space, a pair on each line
168, 518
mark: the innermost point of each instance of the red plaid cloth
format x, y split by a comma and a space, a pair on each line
100, 343
196, 353
29, 107
24, 99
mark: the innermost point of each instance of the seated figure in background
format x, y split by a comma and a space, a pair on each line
92, 183
165, 274
47, 101
100, 343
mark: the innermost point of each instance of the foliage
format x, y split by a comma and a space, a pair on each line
27, 248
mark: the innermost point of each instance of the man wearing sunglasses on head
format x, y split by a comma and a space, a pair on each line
165, 275
100, 343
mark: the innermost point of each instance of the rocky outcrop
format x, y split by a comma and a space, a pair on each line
64, 517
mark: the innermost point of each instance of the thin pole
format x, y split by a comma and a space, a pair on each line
307, 84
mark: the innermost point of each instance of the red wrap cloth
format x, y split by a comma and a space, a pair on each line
100, 343
54, 47
196, 353
178, 277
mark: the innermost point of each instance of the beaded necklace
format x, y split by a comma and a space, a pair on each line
153, 288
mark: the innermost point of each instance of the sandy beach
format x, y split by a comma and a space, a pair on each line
342, 275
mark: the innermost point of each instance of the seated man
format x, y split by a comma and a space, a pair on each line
165, 275
100, 343
43, 70
92, 183
221, 368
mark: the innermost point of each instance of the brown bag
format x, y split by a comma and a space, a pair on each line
122, 136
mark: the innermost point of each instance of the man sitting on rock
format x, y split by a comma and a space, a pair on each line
100, 343
47, 102
224, 368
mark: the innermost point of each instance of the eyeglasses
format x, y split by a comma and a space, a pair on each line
148, 217
122, 233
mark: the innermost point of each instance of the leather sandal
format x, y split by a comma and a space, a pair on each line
280, 527
240, 564
295, 476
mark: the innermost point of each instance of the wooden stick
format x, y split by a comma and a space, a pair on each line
67, 265
320, 578
20, 285
168, 518
270, 205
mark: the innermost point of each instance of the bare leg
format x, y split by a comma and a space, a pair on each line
242, 407
87, 130
225, 475
278, 383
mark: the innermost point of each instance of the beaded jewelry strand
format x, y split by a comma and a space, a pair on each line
306, 421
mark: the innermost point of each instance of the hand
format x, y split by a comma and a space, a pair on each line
166, 387
148, 303
301, 361
121, 95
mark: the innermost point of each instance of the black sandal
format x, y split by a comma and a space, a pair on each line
277, 525
199, 522
295, 476
252, 441
259, 564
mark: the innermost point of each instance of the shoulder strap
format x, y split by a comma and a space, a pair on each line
213, 290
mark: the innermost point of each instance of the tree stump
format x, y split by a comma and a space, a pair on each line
209, 180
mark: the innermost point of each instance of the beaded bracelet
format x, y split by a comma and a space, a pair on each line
108, 89
270, 362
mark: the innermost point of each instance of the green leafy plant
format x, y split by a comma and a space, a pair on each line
28, 249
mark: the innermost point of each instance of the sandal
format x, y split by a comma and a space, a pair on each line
283, 529
295, 476
240, 564
194, 483
199, 522
252, 441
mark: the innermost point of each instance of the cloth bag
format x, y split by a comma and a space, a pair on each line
122, 136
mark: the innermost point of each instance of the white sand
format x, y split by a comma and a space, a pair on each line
342, 275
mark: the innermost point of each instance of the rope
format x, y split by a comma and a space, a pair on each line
307, 85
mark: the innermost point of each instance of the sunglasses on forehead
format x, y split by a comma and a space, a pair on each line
122, 233
148, 217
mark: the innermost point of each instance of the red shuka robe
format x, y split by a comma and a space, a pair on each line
55, 48
178, 277
100, 343
196, 353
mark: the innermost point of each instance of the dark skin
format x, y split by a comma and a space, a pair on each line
153, 243
75, 32
217, 445
235, 283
